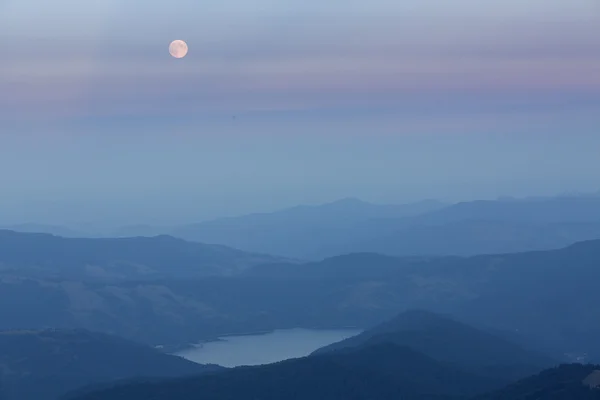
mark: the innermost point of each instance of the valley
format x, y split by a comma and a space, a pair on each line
202, 302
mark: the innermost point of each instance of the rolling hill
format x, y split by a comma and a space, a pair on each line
42, 365
377, 372
450, 342
544, 295
541, 299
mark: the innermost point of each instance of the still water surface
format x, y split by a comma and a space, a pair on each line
233, 351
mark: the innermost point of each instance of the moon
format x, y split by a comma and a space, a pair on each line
178, 48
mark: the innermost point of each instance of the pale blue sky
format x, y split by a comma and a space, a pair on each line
383, 100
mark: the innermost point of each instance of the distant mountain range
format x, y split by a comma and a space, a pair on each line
552, 210
43, 255
300, 231
42, 365
423, 228
294, 232
56, 230
477, 227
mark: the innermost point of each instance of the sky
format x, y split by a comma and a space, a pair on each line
286, 102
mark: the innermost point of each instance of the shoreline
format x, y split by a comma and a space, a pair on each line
175, 349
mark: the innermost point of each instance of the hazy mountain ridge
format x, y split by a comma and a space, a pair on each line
45, 255
56, 230
513, 293
426, 228
560, 209
423, 228
302, 230
472, 237
480, 227
507, 291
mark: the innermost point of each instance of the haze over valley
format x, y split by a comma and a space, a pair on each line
340, 269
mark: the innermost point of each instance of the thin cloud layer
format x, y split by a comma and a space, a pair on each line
111, 57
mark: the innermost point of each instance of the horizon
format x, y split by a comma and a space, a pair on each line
97, 227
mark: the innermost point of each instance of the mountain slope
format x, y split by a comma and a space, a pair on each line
300, 231
480, 227
44, 255
349, 266
566, 382
543, 299
40, 365
378, 372
561, 209
425, 228
471, 237
49, 229
452, 342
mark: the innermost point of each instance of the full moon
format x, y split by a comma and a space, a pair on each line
178, 48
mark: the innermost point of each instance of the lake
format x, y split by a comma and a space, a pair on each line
266, 348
